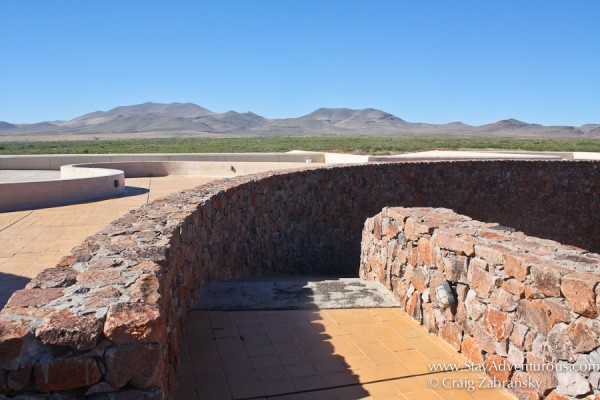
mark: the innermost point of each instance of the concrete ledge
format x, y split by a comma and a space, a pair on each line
526, 308
55, 161
75, 185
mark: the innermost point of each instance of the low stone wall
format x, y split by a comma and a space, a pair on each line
527, 308
108, 319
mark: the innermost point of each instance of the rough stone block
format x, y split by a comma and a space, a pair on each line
140, 365
78, 332
497, 324
471, 350
134, 323
578, 289
33, 297
455, 268
499, 367
65, 373
452, 334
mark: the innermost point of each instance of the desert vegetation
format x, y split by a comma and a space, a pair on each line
357, 145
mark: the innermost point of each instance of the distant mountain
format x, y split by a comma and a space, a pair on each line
4, 126
188, 119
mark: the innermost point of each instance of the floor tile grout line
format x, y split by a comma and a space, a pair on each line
17, 221
271, 396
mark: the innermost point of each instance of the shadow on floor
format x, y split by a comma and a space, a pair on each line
9, 284
271, 342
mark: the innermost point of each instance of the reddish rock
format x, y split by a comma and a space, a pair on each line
517, 265
148, 267
429, 318
103, 297
33, 297
134, 323
471, 350
578, 289
412, 257
14, 335
503, 300
377, 226
547, 278
520, 383
541, 373
452, 334
480, 280
497, 324
455, 268
100, 277
413, 307
53, 278
566, 341
145, 289
389, 228
499, 367
517, 337
419, 279
462, 245
34, 312
514, 286
67, 261
492, 254
78, 332
426, 256
538, 315
413, 229
65, 373
584, 334
140, 365
484, 340
554, 395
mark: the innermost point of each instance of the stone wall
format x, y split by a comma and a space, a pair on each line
108, 318
527, 308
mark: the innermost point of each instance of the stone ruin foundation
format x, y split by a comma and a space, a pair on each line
106, 322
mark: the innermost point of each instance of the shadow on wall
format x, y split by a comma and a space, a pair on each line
9, 284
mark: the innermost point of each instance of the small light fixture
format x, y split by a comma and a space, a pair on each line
117, 183
445, 296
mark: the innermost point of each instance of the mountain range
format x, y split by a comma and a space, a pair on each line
190, 119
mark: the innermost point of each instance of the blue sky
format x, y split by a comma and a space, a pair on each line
424, 61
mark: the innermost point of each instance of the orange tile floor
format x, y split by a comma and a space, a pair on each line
376, 353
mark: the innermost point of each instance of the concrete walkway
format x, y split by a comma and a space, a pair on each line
315, 352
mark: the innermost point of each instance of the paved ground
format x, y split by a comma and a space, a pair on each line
31, 241
344, 354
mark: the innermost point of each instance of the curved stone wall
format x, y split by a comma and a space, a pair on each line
119, 301
526, 308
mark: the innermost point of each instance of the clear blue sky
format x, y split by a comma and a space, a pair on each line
424, 61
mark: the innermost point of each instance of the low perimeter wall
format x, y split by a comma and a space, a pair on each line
107, 320
527, 308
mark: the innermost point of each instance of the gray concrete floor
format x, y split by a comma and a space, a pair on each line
12, 176
294, 293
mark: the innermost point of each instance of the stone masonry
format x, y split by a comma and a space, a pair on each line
527, 308
106, 322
